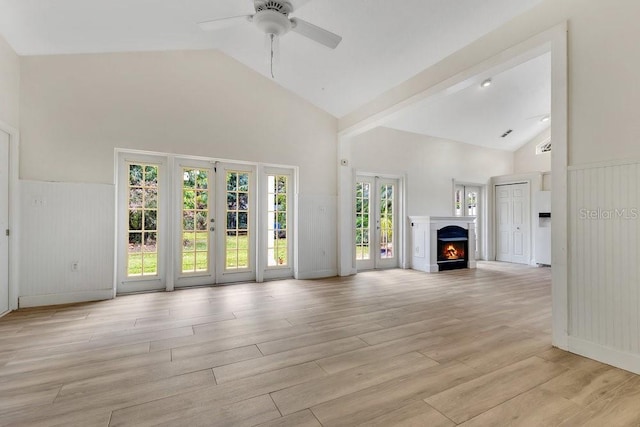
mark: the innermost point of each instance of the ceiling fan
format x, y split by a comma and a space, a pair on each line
272, 18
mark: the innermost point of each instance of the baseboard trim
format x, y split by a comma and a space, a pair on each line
64, 298
620, 359
320, 274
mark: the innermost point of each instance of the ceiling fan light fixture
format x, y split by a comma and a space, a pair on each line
272, 22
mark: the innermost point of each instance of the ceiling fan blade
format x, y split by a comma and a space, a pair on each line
219, 24
316, 33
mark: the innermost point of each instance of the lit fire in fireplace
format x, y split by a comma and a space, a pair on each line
452, 251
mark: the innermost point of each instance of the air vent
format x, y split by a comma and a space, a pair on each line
280, 7
507, 133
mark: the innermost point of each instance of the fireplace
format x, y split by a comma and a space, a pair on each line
442, 242
453, 244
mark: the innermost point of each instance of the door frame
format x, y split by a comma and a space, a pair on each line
13, 272
401, 209
535, 183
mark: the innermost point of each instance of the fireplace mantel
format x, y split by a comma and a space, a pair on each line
425, 240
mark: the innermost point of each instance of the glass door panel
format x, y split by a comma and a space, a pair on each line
386, 223
277, 220
196, 224
364, 236
237, 204
277, 216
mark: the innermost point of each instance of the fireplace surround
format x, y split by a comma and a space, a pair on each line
442, 243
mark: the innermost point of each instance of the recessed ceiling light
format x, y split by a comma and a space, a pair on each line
486, 83
545, 119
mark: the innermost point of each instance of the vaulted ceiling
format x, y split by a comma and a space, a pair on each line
384, 42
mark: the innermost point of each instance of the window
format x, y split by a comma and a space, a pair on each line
363, 232
195, 220
544, 146
386, 220
277, 220
142, 253
237, 232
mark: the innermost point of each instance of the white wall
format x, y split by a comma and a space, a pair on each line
76, 109
605, 237
430, 165
9, 85
64, 224
526, 160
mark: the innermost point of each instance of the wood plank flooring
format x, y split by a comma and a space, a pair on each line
466, 347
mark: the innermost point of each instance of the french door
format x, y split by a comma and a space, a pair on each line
143, 239
4, 222
376, 233
185, 222
513, 223
194, 196
235, 236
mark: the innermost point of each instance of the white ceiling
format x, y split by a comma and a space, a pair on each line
384, 42
517, 99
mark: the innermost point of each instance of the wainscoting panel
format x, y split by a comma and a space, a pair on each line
67, 237
604, 287
317, 237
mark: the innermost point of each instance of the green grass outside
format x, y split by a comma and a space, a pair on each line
362, 252
237, 255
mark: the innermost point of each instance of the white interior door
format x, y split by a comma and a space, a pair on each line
513, 223
194, 252
376, 234
236, 233
4, 222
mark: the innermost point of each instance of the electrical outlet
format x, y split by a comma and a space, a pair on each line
75, 266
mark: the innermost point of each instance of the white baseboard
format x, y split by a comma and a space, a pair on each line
620, 359
64, 298
320, 274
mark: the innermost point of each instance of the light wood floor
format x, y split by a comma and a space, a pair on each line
379, 349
